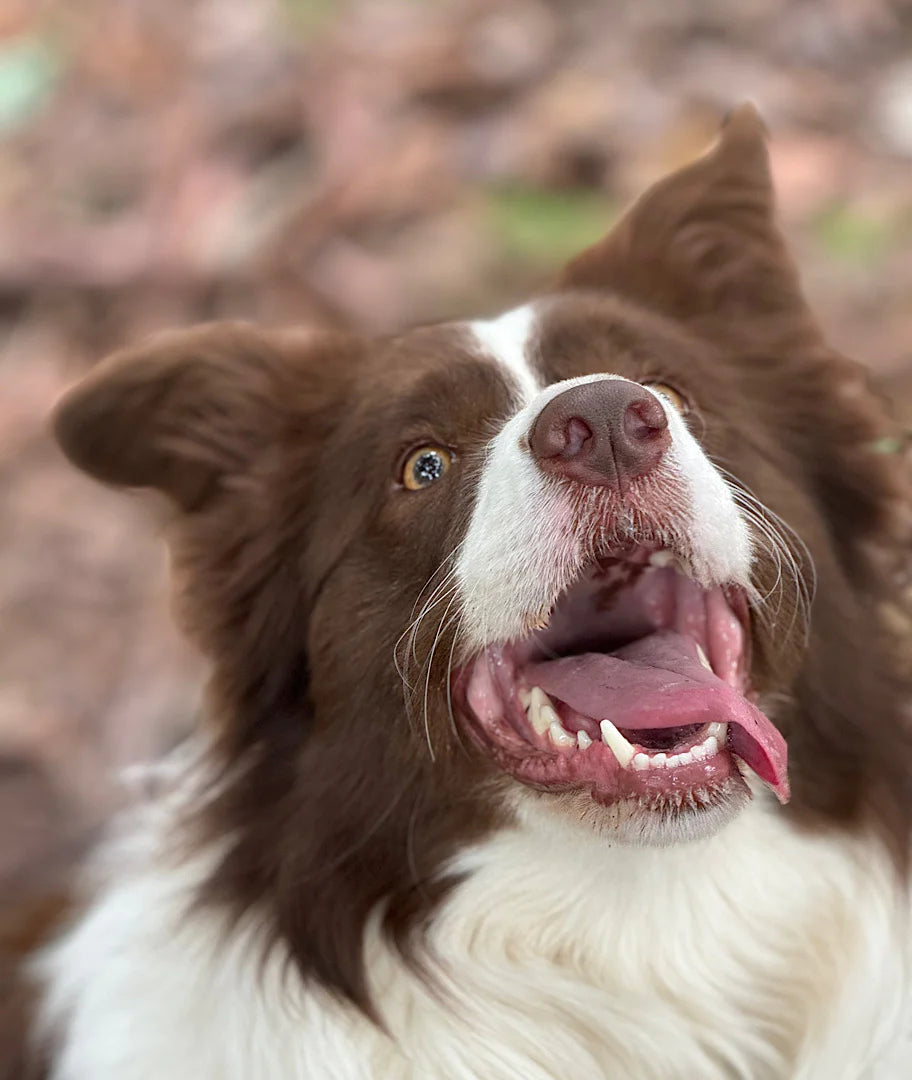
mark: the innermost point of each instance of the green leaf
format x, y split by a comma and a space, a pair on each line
852, 236
308, 17
28, 73
546, 225
888, 445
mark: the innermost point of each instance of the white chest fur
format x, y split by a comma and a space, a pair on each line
761, 953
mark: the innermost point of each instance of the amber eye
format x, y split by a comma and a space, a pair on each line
671, 395
425, 465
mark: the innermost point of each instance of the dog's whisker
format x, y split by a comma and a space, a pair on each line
415, 619
442, 626
449, 677
781, 544
441, 590
411, 653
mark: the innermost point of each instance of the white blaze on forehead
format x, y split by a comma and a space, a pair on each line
520, 550
507, 340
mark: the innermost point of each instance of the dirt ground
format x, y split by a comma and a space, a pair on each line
374, 163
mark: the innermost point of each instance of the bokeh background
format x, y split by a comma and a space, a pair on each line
373, 163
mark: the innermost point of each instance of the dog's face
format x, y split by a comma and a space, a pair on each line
563, 559
607, 574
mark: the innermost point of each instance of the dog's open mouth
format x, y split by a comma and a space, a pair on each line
638, 687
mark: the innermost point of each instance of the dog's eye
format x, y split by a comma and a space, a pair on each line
425, 465
671, 395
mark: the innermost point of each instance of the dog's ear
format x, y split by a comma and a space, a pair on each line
229, 423
188, 412
702, 246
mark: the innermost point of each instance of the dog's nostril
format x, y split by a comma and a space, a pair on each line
645, 420
576, 433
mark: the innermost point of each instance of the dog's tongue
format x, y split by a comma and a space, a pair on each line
659, 682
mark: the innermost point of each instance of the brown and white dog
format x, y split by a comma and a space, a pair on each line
510, 625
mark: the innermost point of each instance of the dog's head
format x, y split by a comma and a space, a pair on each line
593, 561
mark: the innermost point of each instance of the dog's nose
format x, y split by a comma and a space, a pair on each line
605, 433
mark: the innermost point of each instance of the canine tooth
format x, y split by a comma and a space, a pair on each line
711, 746
704, 659
559, 735
535, 719
583, 741
525, 698
549, 715
539, 700
640, 762
657, 761
538, 697
621, 749
719, 730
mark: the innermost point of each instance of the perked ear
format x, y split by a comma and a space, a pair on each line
180, 414
702, 243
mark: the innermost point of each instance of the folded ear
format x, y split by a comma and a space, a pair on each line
229, 422
183, 413
702, 243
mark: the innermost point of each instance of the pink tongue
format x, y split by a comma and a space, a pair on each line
659, 682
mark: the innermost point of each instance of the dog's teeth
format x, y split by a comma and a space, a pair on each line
711, 746
539, 726
525, 698
720, 731
559, 734
662, 558
703, 658
538, 702
538, 697
583, 741
640, 762
672, 760
657, 761
699, 752
612, 738
549, 716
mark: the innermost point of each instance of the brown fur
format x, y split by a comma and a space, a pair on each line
27, 919
301, 559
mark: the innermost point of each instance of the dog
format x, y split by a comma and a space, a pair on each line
554, 727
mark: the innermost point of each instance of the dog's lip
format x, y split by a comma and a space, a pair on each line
656, 682
508, 738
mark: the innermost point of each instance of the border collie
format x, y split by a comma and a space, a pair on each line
554, 728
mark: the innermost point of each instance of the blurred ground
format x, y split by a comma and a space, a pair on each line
377, 162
